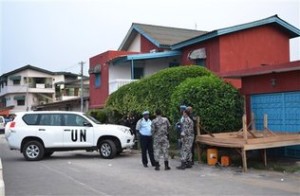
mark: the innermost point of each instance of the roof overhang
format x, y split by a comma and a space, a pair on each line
290, 29
132, 33
266, 69
145, 56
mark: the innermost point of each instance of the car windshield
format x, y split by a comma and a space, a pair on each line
92, 119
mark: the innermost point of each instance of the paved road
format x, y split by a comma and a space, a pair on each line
82, 173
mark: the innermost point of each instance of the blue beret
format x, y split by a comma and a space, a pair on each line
183, 107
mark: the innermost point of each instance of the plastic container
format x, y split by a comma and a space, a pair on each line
212, 156
225, 161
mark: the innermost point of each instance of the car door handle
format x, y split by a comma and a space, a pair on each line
42, 129
67, 130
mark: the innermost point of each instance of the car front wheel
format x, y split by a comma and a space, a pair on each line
33, 151
107, 149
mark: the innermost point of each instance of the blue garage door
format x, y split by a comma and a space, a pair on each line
283, 110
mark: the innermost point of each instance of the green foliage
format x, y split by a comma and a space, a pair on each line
101, 115
152, 92
218, 104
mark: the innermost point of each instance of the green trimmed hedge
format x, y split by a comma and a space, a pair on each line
218, 103
152, 92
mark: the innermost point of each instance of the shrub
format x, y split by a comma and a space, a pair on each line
218, 103
152, 92
100, 115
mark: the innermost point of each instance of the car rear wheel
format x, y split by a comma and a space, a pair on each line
107, 149
33, 151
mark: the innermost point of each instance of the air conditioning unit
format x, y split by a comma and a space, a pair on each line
153, 50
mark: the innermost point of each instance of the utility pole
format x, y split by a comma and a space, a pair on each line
27, 95
81, 85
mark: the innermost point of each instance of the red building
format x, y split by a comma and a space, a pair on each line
263, 42
273, 90
246, 46
99, 80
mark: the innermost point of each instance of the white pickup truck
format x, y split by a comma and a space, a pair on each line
40, 134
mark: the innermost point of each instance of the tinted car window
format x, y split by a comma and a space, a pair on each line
30, 119
50, 119
74, 120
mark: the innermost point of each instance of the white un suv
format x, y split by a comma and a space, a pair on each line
39, 134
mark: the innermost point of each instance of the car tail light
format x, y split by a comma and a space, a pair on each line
12, 124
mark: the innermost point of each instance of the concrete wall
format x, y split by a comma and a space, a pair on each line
120, 71
136, 44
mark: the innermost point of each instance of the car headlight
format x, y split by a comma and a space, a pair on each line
126, 131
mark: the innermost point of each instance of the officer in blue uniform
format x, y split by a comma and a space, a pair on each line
143, 126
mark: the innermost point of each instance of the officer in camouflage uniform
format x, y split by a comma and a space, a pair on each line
187, 139
159, 129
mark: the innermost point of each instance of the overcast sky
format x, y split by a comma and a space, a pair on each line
57, 34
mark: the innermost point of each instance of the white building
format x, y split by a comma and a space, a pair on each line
27, 87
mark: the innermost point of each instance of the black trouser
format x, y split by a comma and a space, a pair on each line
147, 146
193, 151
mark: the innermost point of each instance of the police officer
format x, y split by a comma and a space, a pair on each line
143, 126
187, 139
178, 126
191, 115
159, 128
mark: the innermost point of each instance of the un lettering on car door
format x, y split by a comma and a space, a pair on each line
78, 135
75, 133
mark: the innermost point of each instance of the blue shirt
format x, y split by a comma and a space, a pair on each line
144, 127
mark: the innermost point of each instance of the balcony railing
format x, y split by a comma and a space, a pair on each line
39, 85
116, 84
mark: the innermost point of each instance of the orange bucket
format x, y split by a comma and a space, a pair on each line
212, 156
225, 161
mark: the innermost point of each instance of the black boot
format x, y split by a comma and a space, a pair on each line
189, 164
182, 166
167, 165
157, 166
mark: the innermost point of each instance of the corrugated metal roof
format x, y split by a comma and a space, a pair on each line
161, 36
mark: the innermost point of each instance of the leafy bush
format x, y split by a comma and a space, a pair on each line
218, 103
152, 92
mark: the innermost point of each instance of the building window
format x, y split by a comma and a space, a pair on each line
20, 102
138, 72
201, 62
16, 82
97, 80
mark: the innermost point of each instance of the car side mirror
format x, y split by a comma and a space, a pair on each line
87, 124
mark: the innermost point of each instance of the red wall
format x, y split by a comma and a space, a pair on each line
212, 54
99, 95
146, 45
285, 82
253, 47
242, 50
